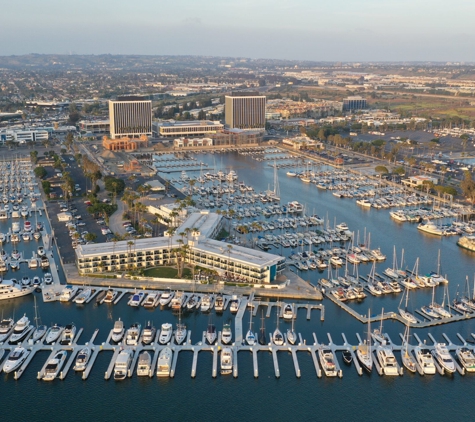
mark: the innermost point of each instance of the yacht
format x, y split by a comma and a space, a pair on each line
288, 313
234, 305
443, 356
54, 365
165, 333
425, 360
26, 236
68, 293
327, 359
10, 289
387, 360
205, 303
83, 296
53, 333
166, 298
148, 334
118, 331
226, 334
48, 278
164, 362
16, 357
82, 359
41, 251
431, 228
219, 303
122, 364
177, 301
277, 337
33, 263
136, 299
110, 296
149, 302
144, 364
14, 265
68, 335
6, 328
363, 353
466, 358
132, 335
226, 361
44, 262
347, 357
211, 333
20, 330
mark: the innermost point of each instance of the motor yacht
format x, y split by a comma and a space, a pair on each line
166, 298
136, 299
347, 357
144, 364
441, 353
118, 331
164, 362
83, 296
148, 334
68, 335
16, 255
54, 365
166, 332
226, 361
67, 293
219, 303
234, 305
205, 303
425, 360
466, 357
44, 262
387, 360
226, 334
150, 300
110, 296
363, 353
123, 363
16, 357
48, 278
133, 334
288, 313
6, 328
82, 359
41, 251
33, 263
177, 301
53, 334
21, 329
327, 359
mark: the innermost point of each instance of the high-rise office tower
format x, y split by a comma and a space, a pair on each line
245, 110
130, 117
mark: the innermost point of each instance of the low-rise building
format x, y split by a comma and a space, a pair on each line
125, 144
419, 180
94, 127
186, 129
22, 136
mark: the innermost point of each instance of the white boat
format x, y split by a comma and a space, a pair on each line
68, 293
327, 359
219, 303
425, 360
122, 364
40, 329
132, 335
10, 289
148, 334
6, 328
166, 332
16, 357
110, 296
364, 353
118, 331
48, 278
144, 364
365, 203
20, 330
166, 298
164, 362
430, 228
82, 359
234, 305
136, 299
205, 303
68, 335
83, 296
466, 357
226, 334
211, 333
441, 353
53, 334
41, 251
226, 361
250, 336
404, 312
180, 332
33, 263
288, 313
277, 337
387, 360
177, 301
406, 357
54, 365
150, 300
291, 334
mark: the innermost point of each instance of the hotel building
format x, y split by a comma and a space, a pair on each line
245, 110
130, 117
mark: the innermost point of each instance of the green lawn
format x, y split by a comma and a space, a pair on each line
166, 272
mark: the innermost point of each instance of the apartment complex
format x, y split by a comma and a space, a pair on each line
245, 110
130, 117
186, 128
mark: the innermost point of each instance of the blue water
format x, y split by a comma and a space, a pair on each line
367, 397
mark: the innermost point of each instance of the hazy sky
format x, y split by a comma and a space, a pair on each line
347, 30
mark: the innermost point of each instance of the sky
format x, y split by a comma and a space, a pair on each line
331, 30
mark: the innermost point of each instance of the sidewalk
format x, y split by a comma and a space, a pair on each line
115, 220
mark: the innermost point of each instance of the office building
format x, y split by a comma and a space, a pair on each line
130, 117
23, 136
245, 110
354, 103
186, 129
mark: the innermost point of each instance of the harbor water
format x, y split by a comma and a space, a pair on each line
368, 397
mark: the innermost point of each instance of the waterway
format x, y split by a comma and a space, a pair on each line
367, 397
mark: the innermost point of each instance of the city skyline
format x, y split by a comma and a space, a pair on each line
301, 30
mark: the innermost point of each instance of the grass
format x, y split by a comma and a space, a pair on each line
166, 272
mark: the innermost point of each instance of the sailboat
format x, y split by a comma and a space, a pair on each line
250, 337
40, 330
291, 334
429, 310
404, 312
468, 301
378, 334
274, 195
211, 331
407, 360
262, 332
277, 336
364, 353
440, 309
394, 272
180, 333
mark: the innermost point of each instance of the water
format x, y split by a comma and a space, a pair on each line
369, 397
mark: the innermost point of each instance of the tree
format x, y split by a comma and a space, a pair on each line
46, 187
399, 170
40, 172
34, 156
468, 186
90, 237
113, 184
381, 169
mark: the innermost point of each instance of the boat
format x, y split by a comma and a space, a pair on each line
378, 334
234, 304
40, 329
82, 359
6, 328
226, 334
44, 262
363, 352
48, 278
144, 364
26, 236
226, 361
41, 251
467, 242
431, 228
442, 355
68, 335
53, 333
466, 357
407, 359
150, 300
110, 296
327, 359
387, 360
347, 357
68, 293
205, 303
83, 296
191, 302
21, 329
136, 299
425, 360
10, 289
16, 357
250, 336
219, 303
166, 298
166, 332
54, 365
288, 313
177, 301
291, 334
404, 312
148, 334
122, 364
164, 362
132, 335
118, 331
211, 332
180, 332
277, 337
14, 265
33, 263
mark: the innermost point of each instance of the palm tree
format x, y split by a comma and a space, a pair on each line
130, 243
